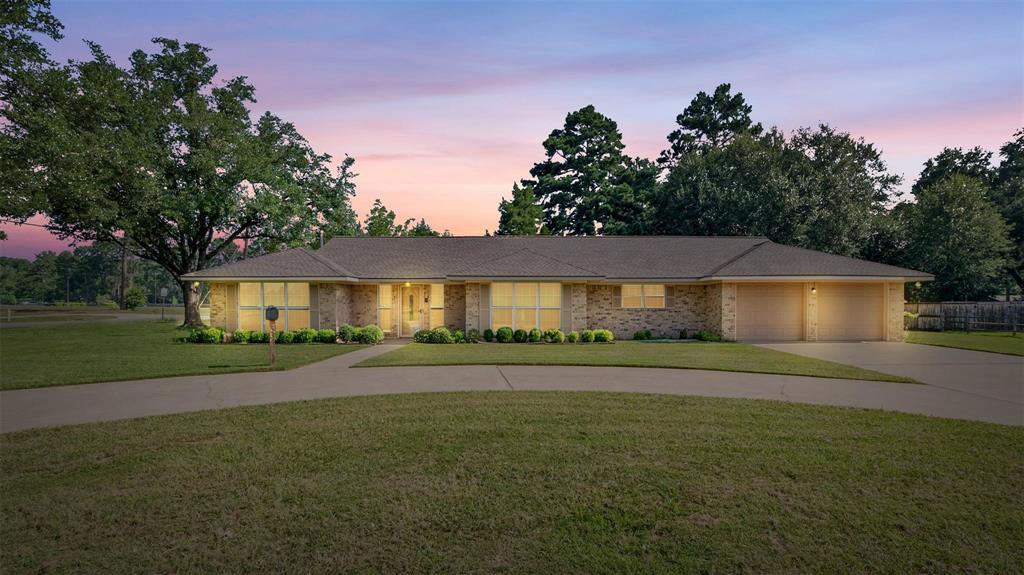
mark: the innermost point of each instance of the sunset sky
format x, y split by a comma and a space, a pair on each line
444, 106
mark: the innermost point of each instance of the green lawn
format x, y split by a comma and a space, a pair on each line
117, 350
715, 356
45, 317
524, 482
992, 341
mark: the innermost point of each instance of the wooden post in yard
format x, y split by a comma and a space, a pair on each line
272, 315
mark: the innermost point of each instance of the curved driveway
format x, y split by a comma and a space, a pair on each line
29, 408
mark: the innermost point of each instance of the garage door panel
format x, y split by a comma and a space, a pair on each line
850, 312
769, 312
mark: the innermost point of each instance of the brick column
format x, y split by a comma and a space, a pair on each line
472, 306
810, 313
729, 312
219, 306
578, 308
894, 311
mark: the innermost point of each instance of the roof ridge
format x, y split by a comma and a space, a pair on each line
326, 262
738, 257
563, 263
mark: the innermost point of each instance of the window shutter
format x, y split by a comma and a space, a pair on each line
670, 297
616, 296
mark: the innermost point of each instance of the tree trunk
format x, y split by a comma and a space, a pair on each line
191, 294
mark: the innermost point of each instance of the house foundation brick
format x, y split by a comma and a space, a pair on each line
894, 311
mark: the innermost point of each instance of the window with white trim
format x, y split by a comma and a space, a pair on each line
643, 296
526, 305
292, 299
384, 307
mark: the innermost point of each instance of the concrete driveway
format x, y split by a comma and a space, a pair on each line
971, 373
30, 408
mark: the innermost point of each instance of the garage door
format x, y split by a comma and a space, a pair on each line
850, 312
769, 312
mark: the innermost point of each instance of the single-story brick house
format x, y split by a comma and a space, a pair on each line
741, 288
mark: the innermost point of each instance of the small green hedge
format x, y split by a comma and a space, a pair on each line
573, 337
370, 335
707, 336
205, 335
488, 335
642, 335
442, 335
504, 335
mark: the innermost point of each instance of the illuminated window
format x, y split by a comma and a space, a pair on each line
384, 307
646, 296
291, 298
526, 305
436, 305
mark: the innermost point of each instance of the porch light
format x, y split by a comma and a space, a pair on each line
195, 285
814, 289
407, 284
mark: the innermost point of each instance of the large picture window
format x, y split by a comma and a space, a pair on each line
255, 297
643, 296
526, 305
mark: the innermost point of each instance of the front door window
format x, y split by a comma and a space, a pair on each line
412, 310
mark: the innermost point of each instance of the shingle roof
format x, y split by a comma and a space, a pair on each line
602, 258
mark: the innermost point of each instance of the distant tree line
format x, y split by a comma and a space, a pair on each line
820, 188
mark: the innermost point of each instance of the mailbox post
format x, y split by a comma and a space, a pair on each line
272, 315
163, 302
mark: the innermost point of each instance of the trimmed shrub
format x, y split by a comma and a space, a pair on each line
707, 336
504, 335
520, 336
603, 336
441, 335
488, 335
642, 335
285, 336
346, 333
459, 336
683, 334
587, 336
305, 335
369, 335
326, 336
554, 336
205, 335
573, 337
241, 336
535, 335
104, 300
473, 336
421, 336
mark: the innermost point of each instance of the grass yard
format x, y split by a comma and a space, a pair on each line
525, 482
991, 341
41, 356
714, 356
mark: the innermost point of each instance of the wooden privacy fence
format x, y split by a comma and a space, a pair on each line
966, 316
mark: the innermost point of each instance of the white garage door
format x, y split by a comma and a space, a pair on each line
850, 312
769, 312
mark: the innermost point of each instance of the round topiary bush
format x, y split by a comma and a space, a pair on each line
241, 336
205, 335
504, 335
304, 335
326, 336
587, 336
346, 333
535, 335
603, 336
285, 336
368, 335
554, 336
573, 337
520, 336
441, 335
488, 335
458, 336
421, 336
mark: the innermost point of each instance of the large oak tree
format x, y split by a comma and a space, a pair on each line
164, 159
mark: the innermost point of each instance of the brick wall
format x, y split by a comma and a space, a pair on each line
472, 306
689, 309
811, 313
364, 305
219, 305
578, 308
335, 305
455, 306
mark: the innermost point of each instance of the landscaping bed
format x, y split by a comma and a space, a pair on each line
692, 355
525, 482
